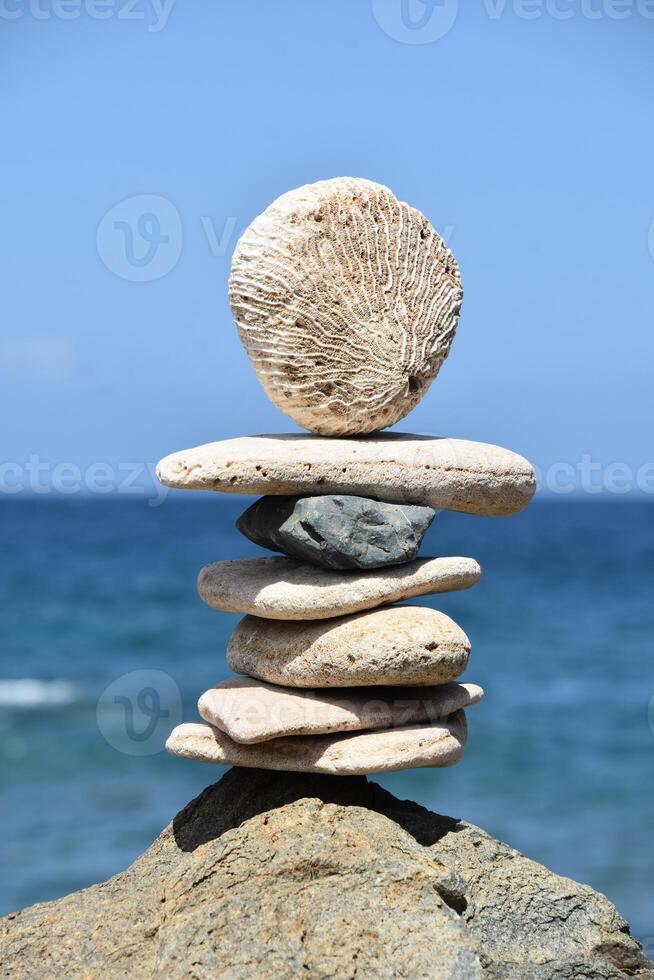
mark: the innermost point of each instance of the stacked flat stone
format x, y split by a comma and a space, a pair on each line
347, 302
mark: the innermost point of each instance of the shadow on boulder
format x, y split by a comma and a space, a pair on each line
245, 793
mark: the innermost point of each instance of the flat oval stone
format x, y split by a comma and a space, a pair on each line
251, 711
281, 588
412, 747
337, 531
397, 645
452, 474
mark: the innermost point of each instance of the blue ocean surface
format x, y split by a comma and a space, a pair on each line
560, 757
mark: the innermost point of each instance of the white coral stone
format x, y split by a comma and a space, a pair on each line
347, 301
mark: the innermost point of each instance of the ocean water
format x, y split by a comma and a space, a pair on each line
560, 758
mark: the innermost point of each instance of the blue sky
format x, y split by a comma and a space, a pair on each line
524, 131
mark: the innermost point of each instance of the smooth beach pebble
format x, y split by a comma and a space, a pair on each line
281, 588
452, 474
346, 301
396, 645
440, 744
250, 711
337, 531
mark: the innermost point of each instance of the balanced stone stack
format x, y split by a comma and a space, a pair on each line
347, 302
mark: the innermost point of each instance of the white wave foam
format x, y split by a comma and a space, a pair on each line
27, 692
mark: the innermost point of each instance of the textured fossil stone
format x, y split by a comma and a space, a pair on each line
250, 711
347, 301
397, 645
281, 588
337, 531
453, 474
413, 747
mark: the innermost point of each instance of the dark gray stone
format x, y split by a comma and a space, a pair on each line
336, 531
280, 875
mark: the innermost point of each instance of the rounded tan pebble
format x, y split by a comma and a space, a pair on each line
450, 474
390, 750
346, 301
281, 588
398, 645
250, 710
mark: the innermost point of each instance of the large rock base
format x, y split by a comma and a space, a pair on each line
274, 875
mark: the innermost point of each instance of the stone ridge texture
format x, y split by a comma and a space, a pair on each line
279, 875
450, 474
437, 744
281, 588
337, 532
396, 645
250, 711
346, 301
